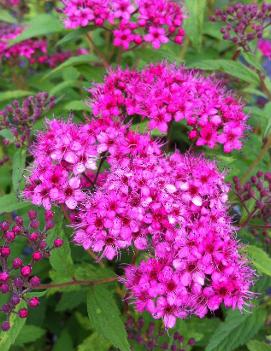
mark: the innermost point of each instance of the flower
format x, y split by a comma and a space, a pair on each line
265, 47
133, 21
164, 94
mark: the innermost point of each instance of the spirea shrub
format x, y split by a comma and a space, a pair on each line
136, 183
164, 93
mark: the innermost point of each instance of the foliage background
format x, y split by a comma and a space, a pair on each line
87, 318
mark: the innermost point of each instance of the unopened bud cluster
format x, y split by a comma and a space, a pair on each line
16, 275
243, 22
257, 192
20, 118
153, 338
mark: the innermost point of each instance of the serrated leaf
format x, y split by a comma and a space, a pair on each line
94, 343
6, 133
237, 330
194, 23
8, 338
36, 293
60, 259
255, 345
56, 90
29, 333
76, 105
72, 61
7, 17
233, 68
18, 166
71, 300
260, 259
40, 25
252, 60
64, 342
10, 203
104, 315
88, 271
14, 94
73, 35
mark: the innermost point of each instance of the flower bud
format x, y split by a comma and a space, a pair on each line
33, 302
37, 256
32, 214
4, 288
4, 276
5, 326
26, 271
33, 236
17, 263
58, 242
34, 281
23, 313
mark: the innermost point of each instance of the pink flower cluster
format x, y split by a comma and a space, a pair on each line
165, 93
29, 49
264, 46
132, 21
127, 194
174, 208
54, 59
66, 158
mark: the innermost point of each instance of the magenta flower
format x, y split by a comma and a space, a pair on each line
164, 93
131, 21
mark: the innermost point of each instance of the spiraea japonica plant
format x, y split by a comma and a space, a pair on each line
135, 175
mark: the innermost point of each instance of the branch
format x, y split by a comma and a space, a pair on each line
97, 51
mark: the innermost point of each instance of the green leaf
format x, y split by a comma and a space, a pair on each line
40, 25
63, 86
194, 23
237, 330
60, 259
71, 300
76, 105
72, 61
29, 333
142, 128
16, 324
6, 17
6, 134
93, 343
10, 203
260, 259
104, 315
73, 35
255, 345
252, 60
64, 342
233, 68
92, 272
14, 94
18, 167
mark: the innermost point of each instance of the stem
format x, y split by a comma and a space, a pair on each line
249, 217
103, 158
97, 51
263, 85
96, 259
260, 157
77, 282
